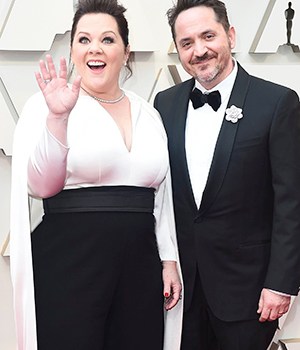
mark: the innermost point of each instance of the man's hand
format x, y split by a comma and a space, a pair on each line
272, 306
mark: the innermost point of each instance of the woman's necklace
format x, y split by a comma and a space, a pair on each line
106, 101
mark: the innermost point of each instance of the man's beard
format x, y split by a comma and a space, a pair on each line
208, 78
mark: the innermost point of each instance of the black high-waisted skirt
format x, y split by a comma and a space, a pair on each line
97, 277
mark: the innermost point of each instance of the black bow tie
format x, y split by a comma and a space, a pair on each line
199, 99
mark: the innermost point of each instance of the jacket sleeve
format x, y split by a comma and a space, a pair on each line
284, 147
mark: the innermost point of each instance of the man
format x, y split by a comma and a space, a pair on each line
235, 165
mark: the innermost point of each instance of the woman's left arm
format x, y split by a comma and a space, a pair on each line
167, 243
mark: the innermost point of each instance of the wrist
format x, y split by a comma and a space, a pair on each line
169, 263
63, 117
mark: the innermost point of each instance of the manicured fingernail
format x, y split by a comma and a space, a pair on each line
166, 295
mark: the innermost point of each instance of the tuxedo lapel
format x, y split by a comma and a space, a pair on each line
224, 143
177, 136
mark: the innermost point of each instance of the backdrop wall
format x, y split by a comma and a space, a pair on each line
31, 28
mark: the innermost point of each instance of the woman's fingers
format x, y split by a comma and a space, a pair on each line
47, 70
63, 68
51, 67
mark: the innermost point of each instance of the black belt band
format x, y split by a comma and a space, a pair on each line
106, 198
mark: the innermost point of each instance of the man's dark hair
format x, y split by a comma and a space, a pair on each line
218, 7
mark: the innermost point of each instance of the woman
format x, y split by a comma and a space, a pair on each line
104, 255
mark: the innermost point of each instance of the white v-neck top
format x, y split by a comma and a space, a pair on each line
96, 154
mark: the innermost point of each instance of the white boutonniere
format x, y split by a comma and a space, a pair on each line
233, 114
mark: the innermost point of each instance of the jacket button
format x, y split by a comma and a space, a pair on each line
198, 219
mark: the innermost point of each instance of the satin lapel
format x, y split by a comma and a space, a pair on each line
178, 139
224, 143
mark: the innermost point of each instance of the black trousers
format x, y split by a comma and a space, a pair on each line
98, 282
202, 330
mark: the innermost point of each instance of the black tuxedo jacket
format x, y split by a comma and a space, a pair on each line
246, 233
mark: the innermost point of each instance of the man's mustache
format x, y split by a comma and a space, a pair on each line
200, 59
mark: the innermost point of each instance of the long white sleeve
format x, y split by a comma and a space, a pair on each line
47, 167
164, 216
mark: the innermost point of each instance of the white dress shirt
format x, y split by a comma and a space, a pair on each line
202, 129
